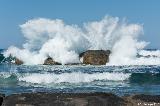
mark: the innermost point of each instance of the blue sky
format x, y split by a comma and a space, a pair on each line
16, 12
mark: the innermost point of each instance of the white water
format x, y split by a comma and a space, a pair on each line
75, 77
155, 53
64, 43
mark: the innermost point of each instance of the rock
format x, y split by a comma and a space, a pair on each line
1, 57
8, 59
79, 99
12, 60
1, 99
147, 56
74, 64
95, 57
18, 61
147, 98
50, 61
23, 105
143, 100
63, 99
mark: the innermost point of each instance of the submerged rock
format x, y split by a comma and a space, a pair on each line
50, 61
95, 57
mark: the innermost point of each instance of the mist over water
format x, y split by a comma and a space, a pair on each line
64, 43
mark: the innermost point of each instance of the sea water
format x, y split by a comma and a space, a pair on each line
120, 80
131, 68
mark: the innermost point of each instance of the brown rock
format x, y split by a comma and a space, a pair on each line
50, 61
18, 61
95, 57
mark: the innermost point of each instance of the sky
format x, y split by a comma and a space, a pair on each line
16, 12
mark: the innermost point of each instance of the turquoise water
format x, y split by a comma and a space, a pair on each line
120, 80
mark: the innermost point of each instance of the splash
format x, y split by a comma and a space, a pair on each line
64, 43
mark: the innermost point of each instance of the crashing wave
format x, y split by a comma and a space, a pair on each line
64, 43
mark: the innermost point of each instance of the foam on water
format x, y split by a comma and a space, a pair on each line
147, 53
116, 79
73, 77
64, 43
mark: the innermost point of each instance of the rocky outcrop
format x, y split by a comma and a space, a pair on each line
1, 98
1, 57
142, 100
92, 57
79, 99
11, 60
64, 99
50, 61
18, 61
95, 57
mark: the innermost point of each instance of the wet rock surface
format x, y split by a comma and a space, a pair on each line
92, 57
147, 98
143, 100
1, 57
1, 98
63, 99
18, 61
78, 99
50, 61
95, 57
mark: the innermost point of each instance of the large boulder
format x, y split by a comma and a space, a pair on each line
50, 61
95, 57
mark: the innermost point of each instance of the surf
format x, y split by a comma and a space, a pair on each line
63, 42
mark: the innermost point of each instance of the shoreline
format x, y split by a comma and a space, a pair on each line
78, 99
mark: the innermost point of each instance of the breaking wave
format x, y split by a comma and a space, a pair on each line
120, 79
78, 77
73, 77
64, 43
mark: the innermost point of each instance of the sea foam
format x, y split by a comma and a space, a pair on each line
75, 77
64, 43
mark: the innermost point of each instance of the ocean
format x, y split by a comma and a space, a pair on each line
131, 68
120, 80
